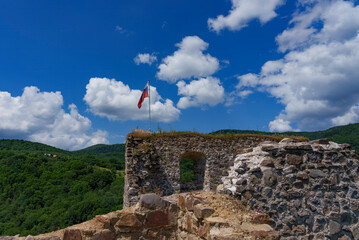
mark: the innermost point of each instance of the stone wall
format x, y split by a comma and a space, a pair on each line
153, 162
309, 189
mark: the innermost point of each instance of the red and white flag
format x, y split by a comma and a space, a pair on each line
143, 96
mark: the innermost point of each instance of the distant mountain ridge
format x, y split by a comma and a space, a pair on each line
340, 134
103, 148
23, 146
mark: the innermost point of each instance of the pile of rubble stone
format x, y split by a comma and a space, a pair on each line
196, 215
309, 189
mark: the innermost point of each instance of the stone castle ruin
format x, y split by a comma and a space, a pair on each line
153, 162
308, 189
281, 188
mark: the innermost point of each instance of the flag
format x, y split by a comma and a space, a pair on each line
143, 96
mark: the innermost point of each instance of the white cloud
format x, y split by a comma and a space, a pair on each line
243, 11
226, 62
38, 116
145, 58
307, 2
188, 61
280, 125
247, 80
245, 93
351, 116
317, 81
205, 91
340, 21
242, 88
116, 101
120, 29
230, 99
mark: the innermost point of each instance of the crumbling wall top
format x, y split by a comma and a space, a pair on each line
142, 134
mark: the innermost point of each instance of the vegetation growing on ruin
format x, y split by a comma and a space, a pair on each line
341, 134
276, 137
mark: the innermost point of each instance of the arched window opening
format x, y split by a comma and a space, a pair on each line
187, 170
192, 167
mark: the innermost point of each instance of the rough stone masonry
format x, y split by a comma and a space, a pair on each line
153, 162
309, 189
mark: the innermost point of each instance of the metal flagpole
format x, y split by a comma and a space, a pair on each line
149, 103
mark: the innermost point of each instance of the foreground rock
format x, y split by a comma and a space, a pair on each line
309, 189
195, 215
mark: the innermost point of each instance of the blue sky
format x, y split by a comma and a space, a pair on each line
72, 71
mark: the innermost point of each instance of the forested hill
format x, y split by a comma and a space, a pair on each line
41, 192
106, 156
102, 148
341, 134
22, 146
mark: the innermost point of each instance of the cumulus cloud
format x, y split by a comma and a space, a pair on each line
145, 58
247, 80
242, 12
339, 21
244, 93
280, 125
116, 101
188, 61
351, 116
205, 91
243, 88
38, 116
317, 80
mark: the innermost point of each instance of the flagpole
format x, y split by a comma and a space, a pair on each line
149, 103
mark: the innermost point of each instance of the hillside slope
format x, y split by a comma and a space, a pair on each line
22, 146
107, 156
41, 193
103, 148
